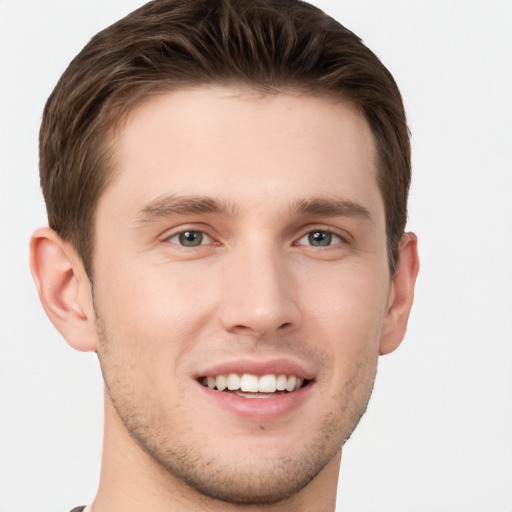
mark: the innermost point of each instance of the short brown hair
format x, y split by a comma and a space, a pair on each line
268, 45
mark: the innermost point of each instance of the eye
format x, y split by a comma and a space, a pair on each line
190, 238
320, 238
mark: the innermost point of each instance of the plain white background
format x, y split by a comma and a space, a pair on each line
438, 433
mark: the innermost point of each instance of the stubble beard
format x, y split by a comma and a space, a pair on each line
241, 482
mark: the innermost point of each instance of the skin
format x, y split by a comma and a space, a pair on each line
257, 289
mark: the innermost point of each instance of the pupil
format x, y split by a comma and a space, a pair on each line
320, 238
191, 238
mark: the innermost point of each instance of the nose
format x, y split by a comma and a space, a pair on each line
259, 299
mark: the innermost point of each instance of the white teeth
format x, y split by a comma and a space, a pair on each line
281, 383
250, 383
267, 384
233, 382
221, 382
292, 380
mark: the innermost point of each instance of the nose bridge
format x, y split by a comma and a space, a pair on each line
260, 298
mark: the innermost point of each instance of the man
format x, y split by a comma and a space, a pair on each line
226, 185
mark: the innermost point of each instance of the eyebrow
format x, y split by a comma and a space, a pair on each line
326, 207
169, 205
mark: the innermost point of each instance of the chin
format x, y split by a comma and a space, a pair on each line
251, 482
258, 473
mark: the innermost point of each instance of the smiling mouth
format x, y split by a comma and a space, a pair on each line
251, 386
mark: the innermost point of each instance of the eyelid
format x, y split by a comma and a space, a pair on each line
166, 236
171, 233
341, 234
205, 240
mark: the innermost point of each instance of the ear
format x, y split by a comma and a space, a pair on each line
64, 288
401, 295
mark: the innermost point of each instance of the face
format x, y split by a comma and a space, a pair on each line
241, 286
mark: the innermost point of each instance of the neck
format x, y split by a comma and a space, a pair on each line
132, 481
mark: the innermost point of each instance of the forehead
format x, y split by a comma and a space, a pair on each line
244, 148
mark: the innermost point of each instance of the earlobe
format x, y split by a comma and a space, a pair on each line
64, 289
401, 294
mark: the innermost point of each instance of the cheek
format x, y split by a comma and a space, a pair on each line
158, 320
345, 316
348, 302
148, 300
153, 323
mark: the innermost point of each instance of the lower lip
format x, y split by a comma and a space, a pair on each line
259, 409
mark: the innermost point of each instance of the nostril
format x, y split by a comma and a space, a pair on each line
242, 328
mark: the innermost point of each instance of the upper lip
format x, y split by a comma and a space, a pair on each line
280, 366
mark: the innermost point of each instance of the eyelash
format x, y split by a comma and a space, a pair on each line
180, 238
181, 234
325, 232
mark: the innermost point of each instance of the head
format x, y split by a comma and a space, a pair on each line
226, 182
265, 46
